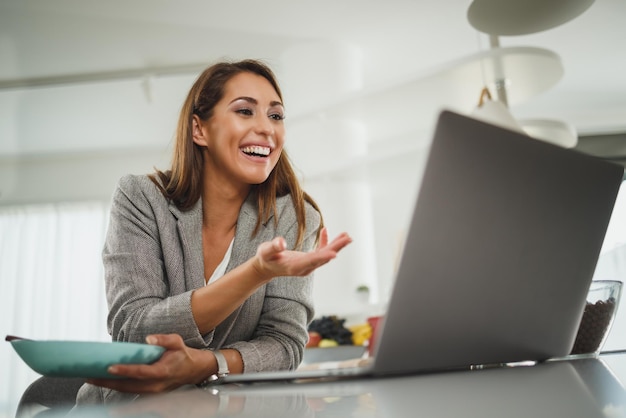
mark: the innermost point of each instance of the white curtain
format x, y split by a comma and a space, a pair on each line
51, 282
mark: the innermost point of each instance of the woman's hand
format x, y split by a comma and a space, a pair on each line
179, 365
273, 259
213, 303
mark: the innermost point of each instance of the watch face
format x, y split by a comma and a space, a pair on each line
208, 381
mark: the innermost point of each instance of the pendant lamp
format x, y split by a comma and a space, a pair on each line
495, 112
549, 130
522, 17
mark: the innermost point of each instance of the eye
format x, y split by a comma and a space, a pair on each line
245, 111
277, 116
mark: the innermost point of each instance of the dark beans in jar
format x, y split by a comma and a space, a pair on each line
593, 326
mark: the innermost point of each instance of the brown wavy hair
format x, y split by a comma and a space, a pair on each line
182, 184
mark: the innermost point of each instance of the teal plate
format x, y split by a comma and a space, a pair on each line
82, 358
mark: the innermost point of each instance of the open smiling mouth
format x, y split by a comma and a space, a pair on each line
256, 151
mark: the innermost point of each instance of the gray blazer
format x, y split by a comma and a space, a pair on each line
153, 261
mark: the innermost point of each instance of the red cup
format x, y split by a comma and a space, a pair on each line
374, 322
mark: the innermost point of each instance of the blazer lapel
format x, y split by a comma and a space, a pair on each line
189, 225
244, 247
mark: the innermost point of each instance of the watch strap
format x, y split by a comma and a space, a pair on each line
222, 364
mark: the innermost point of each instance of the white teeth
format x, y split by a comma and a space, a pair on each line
256, 150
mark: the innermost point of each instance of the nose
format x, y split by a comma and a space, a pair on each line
264, 125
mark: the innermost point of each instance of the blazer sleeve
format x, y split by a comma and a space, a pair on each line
281, 332
140, 295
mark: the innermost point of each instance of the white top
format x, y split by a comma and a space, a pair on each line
221, 267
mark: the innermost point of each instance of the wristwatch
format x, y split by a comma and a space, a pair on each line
222, 364
222, 370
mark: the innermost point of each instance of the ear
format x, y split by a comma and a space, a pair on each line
196, 131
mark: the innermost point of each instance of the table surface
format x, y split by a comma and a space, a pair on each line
575, 387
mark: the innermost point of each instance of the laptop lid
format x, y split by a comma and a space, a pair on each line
500, 251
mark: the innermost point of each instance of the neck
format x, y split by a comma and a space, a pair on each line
221, 204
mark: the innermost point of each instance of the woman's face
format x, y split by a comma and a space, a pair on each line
245, 135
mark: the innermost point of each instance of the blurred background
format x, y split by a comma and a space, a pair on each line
90, 91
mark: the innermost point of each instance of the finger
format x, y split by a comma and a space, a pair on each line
169, 341
279, 244
267, 250
339, 242
323, 238
318, 259
136, 371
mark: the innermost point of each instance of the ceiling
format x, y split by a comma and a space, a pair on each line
84, 75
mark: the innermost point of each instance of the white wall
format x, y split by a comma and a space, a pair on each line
72, 177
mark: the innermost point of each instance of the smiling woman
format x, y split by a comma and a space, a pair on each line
213, 259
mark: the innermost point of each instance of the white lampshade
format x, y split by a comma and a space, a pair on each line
525, 72
553, 131
497, 113
522, 17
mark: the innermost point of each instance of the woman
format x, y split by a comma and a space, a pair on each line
201, 259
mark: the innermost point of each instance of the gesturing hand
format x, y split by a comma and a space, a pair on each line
273, 259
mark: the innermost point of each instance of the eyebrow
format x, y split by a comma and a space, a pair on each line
255, 101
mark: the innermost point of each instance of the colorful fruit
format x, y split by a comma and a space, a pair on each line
326, 342
314, 339
332, 328
361, 333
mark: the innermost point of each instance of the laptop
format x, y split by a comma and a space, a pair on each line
499, 255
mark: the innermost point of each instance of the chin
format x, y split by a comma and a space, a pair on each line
257, 179
257, 176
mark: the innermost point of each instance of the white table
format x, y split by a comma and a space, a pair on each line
583, 387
